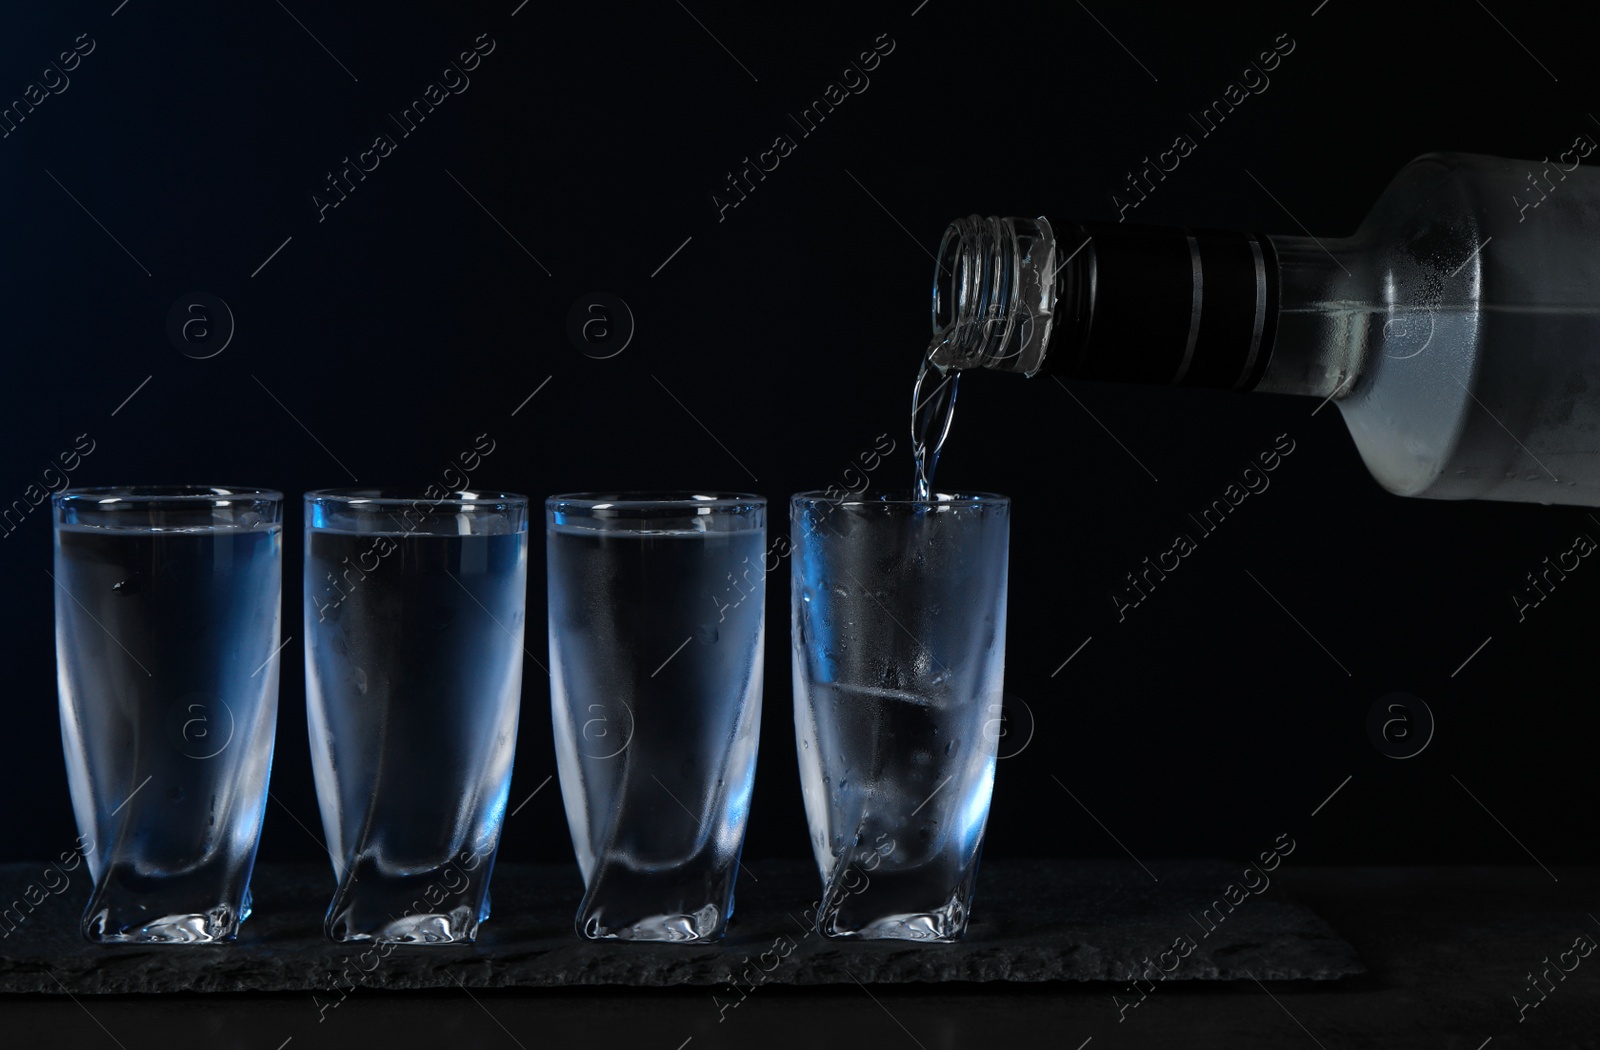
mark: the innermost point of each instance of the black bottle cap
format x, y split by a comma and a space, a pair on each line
1164, 306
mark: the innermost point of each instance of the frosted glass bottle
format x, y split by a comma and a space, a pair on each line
1458, 329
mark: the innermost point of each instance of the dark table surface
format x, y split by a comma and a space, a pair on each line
1445, 949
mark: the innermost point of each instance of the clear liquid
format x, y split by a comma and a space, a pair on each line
413, 686
1492, 403
169, 701
656, 641
899, 638
902, 776
933, 406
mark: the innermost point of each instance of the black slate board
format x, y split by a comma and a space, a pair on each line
1032, 921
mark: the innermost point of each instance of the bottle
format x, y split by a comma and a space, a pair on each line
1458, 329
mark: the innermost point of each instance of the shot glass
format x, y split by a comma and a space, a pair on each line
899, 632
167, 621
414, 613
657, 628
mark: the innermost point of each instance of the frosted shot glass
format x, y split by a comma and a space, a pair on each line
657, 629
414, 615
899, 629
167, 620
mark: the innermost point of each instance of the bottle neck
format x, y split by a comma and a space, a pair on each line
1319, 336
1139, 304
995, 294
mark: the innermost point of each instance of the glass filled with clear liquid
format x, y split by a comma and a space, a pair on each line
899, 629
414, 613
657, 629
167, 623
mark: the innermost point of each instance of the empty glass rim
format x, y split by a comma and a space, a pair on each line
182, 494
819, 497
383, 498
666, 502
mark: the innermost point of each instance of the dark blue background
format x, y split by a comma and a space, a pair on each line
409, 322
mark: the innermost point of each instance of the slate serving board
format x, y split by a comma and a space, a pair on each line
1032, 921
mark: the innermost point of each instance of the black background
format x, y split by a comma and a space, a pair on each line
408, 321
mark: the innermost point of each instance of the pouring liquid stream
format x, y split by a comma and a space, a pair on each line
933, 405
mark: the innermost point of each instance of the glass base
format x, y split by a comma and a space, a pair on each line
706, 924
416, 909
125, 911
931, 927
686, 903
107, 926
459, 926
893, 906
